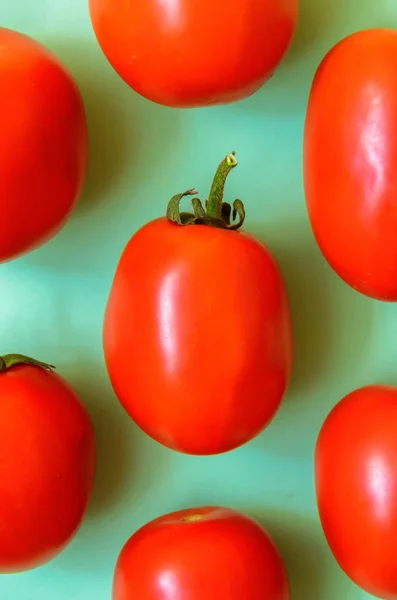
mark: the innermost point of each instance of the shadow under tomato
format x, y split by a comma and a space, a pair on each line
131, 147
287, 90
128, 461
321, 25
330, 319
127, 134
116, 456
333, 335
312, 571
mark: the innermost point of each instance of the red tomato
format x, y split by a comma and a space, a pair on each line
47, 464
356, 484
210, 553
43, 144
189, 53
197, 332
350, 161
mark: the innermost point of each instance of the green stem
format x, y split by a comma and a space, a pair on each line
215, 213
10, 360
215, 199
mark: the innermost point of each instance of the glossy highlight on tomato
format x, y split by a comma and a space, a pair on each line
211, 553
187, 53
47, 466
350, 161
198, 337
43, 144
356, 487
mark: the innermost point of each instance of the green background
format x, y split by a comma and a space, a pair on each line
52, 301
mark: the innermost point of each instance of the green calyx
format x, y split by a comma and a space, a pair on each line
215, 212
11, 360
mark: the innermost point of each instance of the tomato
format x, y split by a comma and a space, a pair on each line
350, 161
47, 464
187, 53
197, 330
210, 552
43, 144
356, 486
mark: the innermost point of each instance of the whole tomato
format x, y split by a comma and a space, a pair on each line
350, 161
47, 465
188, 53
210, 553
197, 330
356, 485
43, 144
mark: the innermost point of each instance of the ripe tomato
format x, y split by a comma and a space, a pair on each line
350, 161
47, 464
43, 144
356, 485
197, 331
187, 53
212, 552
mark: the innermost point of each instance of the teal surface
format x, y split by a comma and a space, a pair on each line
52, 301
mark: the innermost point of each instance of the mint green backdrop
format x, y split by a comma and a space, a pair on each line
52, 301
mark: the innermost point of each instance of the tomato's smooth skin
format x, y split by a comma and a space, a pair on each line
350, 161
211, 553
356, 486
47, 466
43, 144
198, 335
188, 53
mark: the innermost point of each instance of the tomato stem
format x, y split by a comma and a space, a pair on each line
215, 199
10, 360
216, 212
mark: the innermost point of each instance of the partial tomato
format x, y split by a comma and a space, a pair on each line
43, 144
189, 53
356, 485
197, 331
210, 553
47, 465
350, 161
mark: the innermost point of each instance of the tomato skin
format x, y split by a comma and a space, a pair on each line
225, 555
356, 487
187, 53
43, 144
198, 336
47, 466
350, 161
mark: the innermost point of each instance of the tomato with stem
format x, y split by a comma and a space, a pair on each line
198, 336
47, 466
